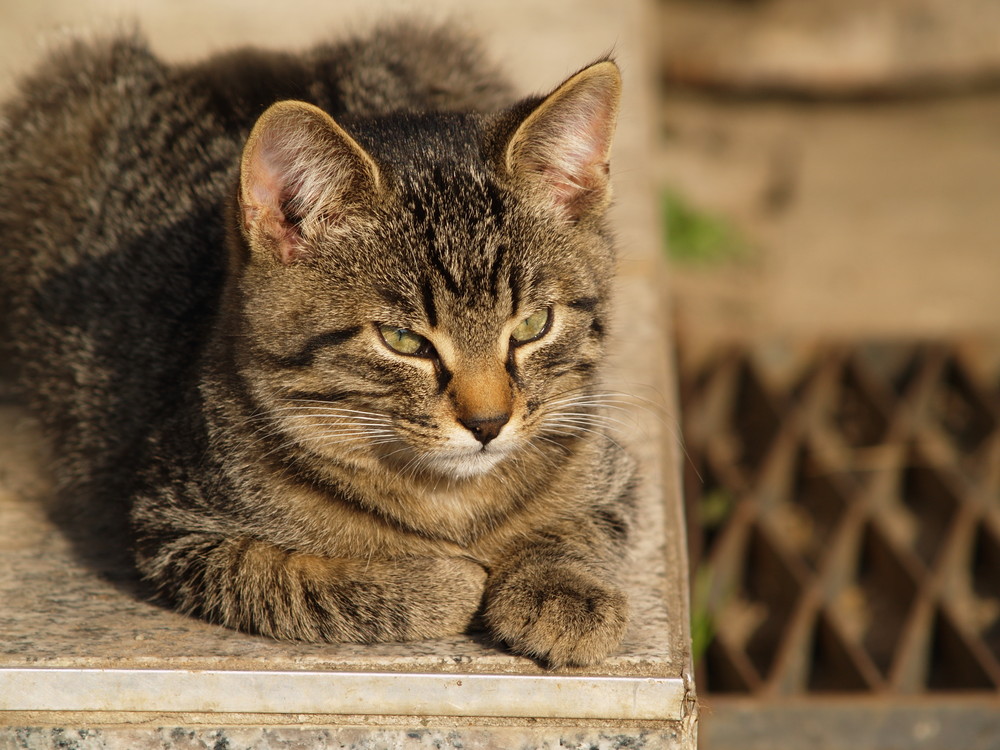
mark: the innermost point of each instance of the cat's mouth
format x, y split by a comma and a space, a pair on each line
462, 462
467, 463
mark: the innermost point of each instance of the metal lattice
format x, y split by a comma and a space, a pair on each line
845, 509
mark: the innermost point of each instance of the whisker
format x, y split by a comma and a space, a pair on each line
556, 443
631, 399
597, 425
587, 430
345, 413
327, 404
334, 433
597, 418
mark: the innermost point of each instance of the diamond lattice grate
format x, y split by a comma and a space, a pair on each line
845, 510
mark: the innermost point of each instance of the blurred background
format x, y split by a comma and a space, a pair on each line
823, 178
850, 153
830, 175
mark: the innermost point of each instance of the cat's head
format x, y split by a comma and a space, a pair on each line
429, 289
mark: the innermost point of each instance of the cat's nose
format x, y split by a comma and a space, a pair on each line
484, 429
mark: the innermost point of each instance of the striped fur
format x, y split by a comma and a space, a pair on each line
202, 265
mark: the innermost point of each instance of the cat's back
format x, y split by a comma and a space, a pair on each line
107, 163
56, 133
403, 66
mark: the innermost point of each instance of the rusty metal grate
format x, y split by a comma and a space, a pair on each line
845, 516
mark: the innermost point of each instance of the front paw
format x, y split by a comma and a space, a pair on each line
562, 615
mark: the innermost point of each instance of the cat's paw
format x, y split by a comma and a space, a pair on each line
563, 616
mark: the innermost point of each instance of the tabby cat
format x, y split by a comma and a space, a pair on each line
328, 326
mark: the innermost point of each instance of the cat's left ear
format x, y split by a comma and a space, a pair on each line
564, 144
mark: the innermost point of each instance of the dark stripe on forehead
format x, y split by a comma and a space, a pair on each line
498, 209
443, 272
305, 356
424, 220
430, 309
430, 235
495, 267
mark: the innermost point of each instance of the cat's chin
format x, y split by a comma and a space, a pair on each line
466, 465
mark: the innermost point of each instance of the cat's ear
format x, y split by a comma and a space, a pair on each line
300, 173
564, 142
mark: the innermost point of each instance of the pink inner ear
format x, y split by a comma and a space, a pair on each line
568, 141
266, 188
579, 162
301, 175
565, 187
586, 137
268, 185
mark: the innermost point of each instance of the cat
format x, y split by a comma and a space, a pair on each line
328, 327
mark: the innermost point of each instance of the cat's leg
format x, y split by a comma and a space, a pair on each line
257, 587
555, 597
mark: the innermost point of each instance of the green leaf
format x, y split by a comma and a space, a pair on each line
696, 236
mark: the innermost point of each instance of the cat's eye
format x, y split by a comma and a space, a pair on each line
405, 341
531, 328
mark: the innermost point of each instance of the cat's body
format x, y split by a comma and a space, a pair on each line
341, 373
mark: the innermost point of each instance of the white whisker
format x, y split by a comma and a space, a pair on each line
559, 445
571, 426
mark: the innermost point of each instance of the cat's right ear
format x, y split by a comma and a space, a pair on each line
300, 174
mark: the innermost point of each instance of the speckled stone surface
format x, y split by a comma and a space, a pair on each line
69, 598
345, 738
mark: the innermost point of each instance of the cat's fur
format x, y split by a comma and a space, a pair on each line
195, 309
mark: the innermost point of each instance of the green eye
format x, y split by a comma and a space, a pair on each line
531, 328
405, 341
